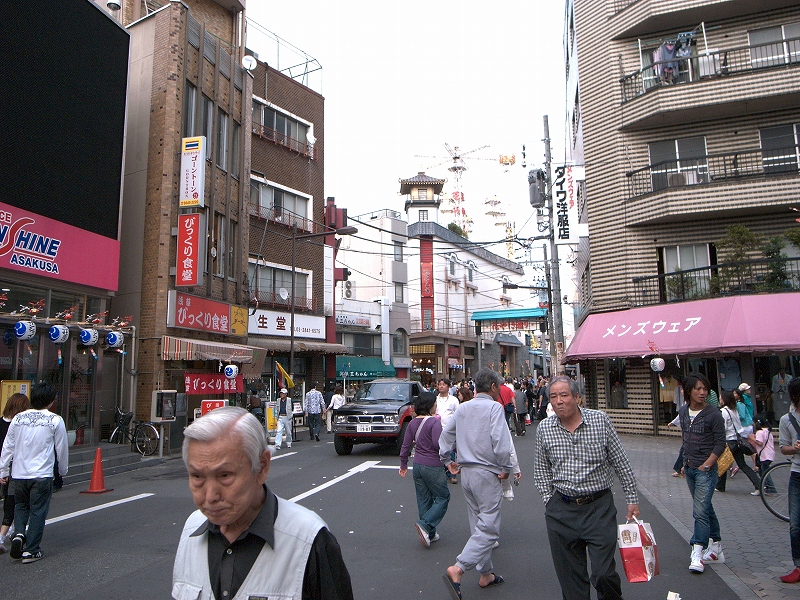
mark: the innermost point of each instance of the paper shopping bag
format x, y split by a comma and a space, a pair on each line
638, 551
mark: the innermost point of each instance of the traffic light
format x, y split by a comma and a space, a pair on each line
537, 187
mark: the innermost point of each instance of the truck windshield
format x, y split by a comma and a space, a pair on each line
382, 392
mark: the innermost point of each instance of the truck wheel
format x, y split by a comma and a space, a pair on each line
398, 444
342, 445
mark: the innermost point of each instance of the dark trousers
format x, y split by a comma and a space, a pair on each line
575, 529
521, 423
743, 467
678, 462
314, 424
8, 505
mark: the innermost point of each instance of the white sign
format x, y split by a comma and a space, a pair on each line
270, 322
193, 172
352, 320
401, 363
565, 204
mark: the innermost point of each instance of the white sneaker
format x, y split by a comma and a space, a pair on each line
496, 544
435, 538
714, 553
423, 535
755, 493
697, 559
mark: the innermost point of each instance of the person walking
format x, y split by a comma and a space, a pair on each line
479, 433
521, 406
577, 452
733, 432
789, 441
33, 439
244, 541
446, 406
314, 406
430, 484
284, 419
703, 431
765, 451
337, 401
15, 404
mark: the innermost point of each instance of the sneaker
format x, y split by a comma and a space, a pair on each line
734, 471
423, 535
714, 553
277, 448
16, 546
496, 544
755, 493
793, 577
696, 563
435, 538
27, 557
288, 445
3, 542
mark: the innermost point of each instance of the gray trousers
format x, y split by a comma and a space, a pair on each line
573, 531
483, 492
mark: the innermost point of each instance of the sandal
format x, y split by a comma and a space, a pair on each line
452, 587
496, 581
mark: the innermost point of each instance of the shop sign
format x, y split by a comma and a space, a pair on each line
454, 351
426, 276
193, 172
565, 198
212, 383
188, 271
351, 320
10, 387
510, 325
238, 320
36, 245
270, 322
206, 406
200, 314
401, 363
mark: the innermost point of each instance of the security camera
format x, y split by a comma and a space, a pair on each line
114, 4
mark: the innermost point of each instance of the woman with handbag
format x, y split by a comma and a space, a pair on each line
736, 439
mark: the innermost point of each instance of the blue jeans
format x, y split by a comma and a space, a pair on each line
433, 496
794, 516
32, 503
314, 424
701, 485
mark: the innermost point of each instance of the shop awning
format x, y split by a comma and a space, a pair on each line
175, 348
282, 345
506, 339
757, 323
362, 367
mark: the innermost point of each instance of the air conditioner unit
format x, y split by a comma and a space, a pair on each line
348, 289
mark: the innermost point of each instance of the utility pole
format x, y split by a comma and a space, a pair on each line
557, 331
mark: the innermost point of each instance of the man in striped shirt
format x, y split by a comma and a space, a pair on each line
314, 406
577, 449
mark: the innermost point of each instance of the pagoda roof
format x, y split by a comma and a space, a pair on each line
421, 180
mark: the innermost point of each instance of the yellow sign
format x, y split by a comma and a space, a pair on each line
9, 388
238, 320
193, 172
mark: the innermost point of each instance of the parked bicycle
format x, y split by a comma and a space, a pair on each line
144, 436
774, 489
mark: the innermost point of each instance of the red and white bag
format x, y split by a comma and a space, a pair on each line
638, 550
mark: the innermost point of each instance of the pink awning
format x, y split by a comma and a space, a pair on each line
761, 323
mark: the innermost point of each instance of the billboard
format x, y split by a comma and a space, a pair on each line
565, 202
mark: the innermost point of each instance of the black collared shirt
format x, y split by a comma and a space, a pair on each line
326, 576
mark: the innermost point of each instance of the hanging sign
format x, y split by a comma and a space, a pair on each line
188, 271
212, 383
193, 172
565, 202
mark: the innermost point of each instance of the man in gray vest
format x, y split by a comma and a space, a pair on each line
245, 542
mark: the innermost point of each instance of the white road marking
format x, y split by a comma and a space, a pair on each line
86, 511
358, 469
386, 467
277, 456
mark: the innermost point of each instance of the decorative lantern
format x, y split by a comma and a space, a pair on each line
89, 337
114, 339
25, 330
657, 364
58, 334
231, 371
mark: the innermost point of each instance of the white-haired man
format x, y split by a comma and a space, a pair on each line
284, 419
245, 542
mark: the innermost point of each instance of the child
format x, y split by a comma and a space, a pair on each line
765, 450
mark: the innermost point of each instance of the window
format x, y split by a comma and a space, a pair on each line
189, 109
398, 293
218, 245
257, 113
266, 283
423, 215
208, 124
422, 194
675, 163
280, 205
399, 340
398, 251
779, 148
283, 129
774, 46
616, 390
684, 258
470, 271
222, 141
232, 270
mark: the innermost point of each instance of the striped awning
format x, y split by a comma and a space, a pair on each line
174, 348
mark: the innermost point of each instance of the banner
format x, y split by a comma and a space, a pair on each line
212, 383
201, 314
193, 172
189, 271
565, 202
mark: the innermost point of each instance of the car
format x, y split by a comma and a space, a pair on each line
379, 413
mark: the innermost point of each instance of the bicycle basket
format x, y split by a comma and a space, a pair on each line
125, 419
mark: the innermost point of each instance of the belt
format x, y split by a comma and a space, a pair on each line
580, 500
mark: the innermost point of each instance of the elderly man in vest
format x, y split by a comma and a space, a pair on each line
245, 542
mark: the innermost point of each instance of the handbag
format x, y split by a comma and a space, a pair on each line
724, 461
638, 550
510, 407
744, 446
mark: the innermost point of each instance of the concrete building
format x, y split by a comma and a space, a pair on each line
685, 116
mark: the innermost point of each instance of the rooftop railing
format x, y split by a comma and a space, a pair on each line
281, 139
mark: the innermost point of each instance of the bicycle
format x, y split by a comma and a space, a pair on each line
144, 436
774, 489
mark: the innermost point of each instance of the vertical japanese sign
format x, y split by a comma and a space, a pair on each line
426, 275
188, 271
193, 172
565, 200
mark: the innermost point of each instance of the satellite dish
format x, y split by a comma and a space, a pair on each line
249, 62
283, 293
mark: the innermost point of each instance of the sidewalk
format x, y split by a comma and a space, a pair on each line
756, 544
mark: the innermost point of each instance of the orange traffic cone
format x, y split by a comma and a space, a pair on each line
97, 485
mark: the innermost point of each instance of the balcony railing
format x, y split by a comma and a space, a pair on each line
712, 167
281, 139
744, 277
620, 5
442, 326
718, 63
284, 217
273, 300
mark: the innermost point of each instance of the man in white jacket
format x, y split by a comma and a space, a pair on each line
33, 439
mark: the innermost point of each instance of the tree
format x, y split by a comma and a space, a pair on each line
793, 235
455, 228
738, 244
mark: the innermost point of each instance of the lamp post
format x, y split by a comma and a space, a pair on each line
295, 237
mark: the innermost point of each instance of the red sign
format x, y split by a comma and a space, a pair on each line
201, 314
426, 275
206, 406
212, 383
454, 351
188, 271
37, 245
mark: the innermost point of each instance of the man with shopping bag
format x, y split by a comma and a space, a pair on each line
577, 451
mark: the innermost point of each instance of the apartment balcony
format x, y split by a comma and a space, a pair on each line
720, 85
643, 18
272, 300
726, 279
442, 327
743, 182
281, 139
284, 217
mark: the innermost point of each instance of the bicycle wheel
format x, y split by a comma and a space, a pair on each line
774, 490
146, 439
116, 436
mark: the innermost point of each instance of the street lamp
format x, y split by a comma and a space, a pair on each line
295, 237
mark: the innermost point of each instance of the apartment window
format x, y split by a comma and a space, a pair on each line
235, 149
398, 293
284, 129
470, 272
232, 270
774, 46
779, 148
189, 109
222, 141
423, 215
218, 245
267, 282
398, 251
399, 342
683, 258
258, 109
674, 163
617, 391
208, 124
451, 265
279, 205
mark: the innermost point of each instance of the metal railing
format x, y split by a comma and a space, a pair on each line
442, 326
273, 300
281, 139
284, 217
725, 279
712, 167
620, 5
718, 63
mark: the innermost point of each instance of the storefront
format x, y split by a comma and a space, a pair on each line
504, 335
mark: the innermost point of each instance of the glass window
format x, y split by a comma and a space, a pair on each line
774, 46
235, 149
189, 110
399, 342
218, 245
269, 118
422, 193
674, 163
222, 141
470, 271
232, 249
779, 149
258, 110
398, 293
208, 124
398, 251
452, 267
683, 258
423, 215
616, 383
